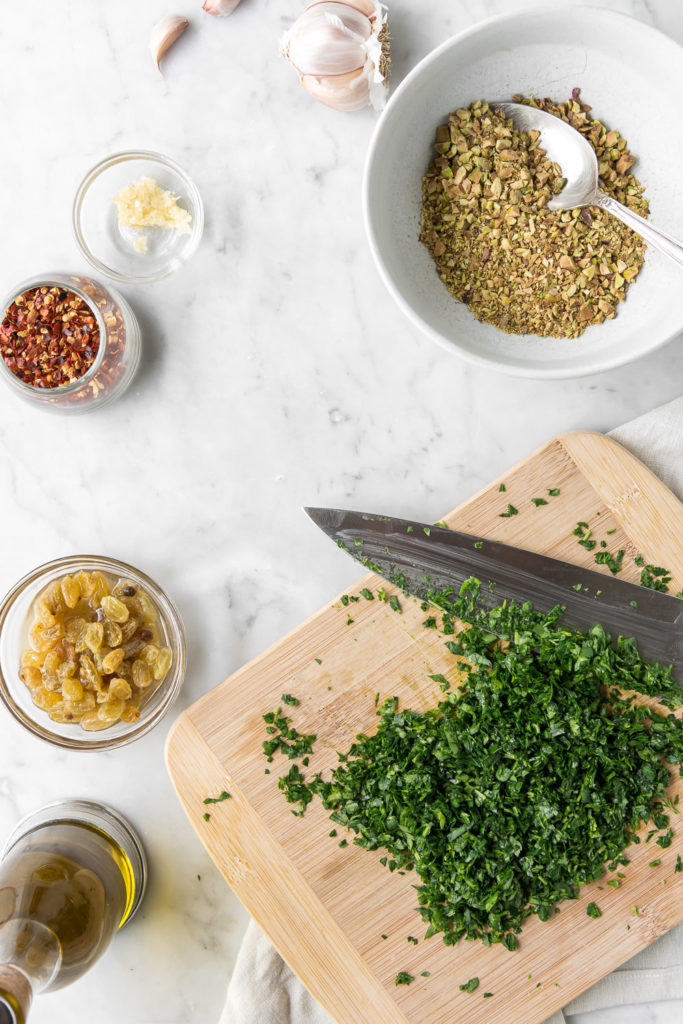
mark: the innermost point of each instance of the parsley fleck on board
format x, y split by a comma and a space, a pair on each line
470, 986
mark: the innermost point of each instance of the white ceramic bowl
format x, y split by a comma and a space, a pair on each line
630, 74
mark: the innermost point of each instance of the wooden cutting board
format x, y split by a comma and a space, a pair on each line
325, 908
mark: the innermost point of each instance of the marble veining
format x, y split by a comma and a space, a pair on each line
276, 372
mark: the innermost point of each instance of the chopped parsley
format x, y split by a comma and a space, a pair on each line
403, 978
511, 511
656, 578
613, 562
223, 795
501, 487
470, 986
394, 603
553, 491
530, 726
367, 594
478, 544
539, 501
411, 938
287, 698
593, 910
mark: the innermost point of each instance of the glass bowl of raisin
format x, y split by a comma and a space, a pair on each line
92, 652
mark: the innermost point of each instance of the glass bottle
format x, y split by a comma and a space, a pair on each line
72, 874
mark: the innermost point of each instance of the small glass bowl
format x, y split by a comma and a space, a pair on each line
15, 619
108, 246
117, 358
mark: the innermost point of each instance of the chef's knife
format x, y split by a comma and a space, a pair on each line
430, 557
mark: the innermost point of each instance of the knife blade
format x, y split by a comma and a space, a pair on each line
430, 557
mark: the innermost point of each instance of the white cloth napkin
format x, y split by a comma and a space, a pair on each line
263, 990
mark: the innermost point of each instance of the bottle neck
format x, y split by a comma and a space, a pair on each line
15, 995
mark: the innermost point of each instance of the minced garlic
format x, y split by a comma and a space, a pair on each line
144, 204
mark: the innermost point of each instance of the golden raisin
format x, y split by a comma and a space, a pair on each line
32, 659
43, 614
71, 592
72, 689
74, 628
99, 589
52, 596
52, 662
113, 634
129, 628
162, 664
93, 636
119, 689
142, 674
114, 609
33, 677
91, 722
85, 583
44, 699
112, 661
89, 674
150, 654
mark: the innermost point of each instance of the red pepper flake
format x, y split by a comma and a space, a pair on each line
49, 337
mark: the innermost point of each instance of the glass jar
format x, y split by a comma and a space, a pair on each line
117, 357
17, 611
72, 874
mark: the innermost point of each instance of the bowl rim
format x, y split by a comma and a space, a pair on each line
121, 157
453, 347
169, 688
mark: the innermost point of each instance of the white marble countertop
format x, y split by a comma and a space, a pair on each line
319, 392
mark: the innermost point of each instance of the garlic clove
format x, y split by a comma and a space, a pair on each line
327, 39
342, 92
164, 34
220, 7
367, 7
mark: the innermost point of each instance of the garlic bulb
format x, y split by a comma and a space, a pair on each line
164, 35
341, 51
220, 7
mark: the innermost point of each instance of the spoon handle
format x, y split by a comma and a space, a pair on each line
658, 239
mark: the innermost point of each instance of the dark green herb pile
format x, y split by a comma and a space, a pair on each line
522, 784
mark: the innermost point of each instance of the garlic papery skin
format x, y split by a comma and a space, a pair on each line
346, 41
164, 34
221, 8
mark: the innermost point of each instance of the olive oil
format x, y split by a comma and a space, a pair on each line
68, 882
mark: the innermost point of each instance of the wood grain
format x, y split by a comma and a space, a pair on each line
324, 908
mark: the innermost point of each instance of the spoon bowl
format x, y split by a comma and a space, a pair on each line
567, 147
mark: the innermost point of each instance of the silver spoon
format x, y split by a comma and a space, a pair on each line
568, 148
